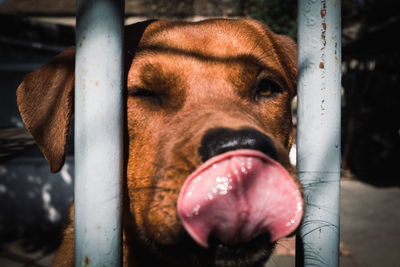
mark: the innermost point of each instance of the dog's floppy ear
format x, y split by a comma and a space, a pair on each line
45, 102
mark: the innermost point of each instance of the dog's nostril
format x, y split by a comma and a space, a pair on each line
220, 140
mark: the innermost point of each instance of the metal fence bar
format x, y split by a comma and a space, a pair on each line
318, 139
98, 132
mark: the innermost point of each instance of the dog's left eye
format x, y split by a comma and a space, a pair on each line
267, 88
144, 93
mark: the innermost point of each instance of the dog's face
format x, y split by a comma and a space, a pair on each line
193, 90
209, 132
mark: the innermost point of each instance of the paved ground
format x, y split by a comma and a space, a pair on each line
370, 228
370, 232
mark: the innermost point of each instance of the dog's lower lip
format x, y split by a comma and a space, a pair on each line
249, 253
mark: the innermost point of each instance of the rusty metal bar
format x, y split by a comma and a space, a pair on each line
98, 132
318, 139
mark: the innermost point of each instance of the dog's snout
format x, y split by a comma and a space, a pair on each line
220, 140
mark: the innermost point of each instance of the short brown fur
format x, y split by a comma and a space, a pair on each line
201, 75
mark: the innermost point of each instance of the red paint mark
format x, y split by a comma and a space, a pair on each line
321, 65
323, 10
323, 13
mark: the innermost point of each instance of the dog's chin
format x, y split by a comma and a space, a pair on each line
252, 253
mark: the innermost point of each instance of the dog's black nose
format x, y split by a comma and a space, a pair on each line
220, 140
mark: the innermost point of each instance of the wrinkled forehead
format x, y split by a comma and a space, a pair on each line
235, 44
211, 39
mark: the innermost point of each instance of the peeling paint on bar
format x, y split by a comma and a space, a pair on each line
318, 139
98, 132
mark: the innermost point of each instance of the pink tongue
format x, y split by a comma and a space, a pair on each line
238, 195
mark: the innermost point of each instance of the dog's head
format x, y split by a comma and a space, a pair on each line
209, 129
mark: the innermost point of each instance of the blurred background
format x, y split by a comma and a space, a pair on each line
34, 203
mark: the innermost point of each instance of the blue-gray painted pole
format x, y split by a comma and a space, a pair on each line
98, 132
318, 135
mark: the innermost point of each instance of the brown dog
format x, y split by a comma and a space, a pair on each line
209, 129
